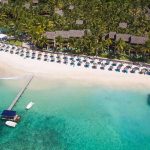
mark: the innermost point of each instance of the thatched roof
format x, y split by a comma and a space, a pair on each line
124, 37
111, 35
123, 25
50, 35
76, 33
27, 5
4, 1
35, 1
63, 34
59, 12
71, 7
79, 22
138, 40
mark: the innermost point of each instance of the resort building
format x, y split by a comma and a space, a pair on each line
51, 36
140, 40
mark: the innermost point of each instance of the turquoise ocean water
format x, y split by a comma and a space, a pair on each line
76, 117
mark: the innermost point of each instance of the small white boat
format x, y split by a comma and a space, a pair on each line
29, 105
11, 124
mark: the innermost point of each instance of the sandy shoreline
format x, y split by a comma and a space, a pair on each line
14, 65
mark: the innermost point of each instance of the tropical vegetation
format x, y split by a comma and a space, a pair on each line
100, 16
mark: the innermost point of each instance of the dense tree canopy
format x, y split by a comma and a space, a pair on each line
100, 16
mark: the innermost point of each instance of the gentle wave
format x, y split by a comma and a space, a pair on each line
11, 78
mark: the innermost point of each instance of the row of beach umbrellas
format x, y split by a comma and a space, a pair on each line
75, 60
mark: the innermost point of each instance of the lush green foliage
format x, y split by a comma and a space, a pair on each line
100, 16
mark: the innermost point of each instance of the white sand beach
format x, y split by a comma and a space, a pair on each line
14, 65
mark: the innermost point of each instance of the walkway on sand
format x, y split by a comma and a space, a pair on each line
20, 93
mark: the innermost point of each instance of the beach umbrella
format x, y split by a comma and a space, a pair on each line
143, 71
79, 63
78, 59
52, 59
99, 61
85, 59
71, 58
114, 64
58, 60
94, 65
110, 68
33, 52
58, 56
65, 57
102, 66
72, 62
92, 61
52, 55
107, 62
87, 64
129, 66
65, 61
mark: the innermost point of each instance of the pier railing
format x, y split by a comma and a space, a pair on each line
20, 93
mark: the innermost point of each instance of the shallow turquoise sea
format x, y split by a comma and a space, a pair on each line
70, 116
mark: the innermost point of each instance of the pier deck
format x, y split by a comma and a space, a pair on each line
20, 93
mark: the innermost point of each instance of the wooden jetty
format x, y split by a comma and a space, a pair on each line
20, 93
